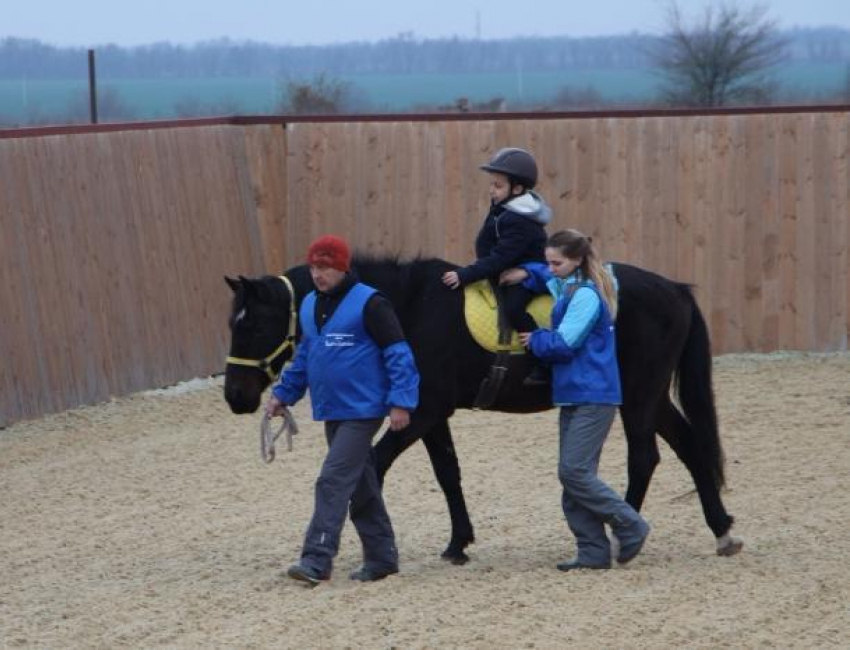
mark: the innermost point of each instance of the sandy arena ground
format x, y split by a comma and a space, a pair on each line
151, 522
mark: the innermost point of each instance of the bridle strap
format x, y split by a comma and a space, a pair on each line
265, 364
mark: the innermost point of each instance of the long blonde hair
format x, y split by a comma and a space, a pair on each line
574, 245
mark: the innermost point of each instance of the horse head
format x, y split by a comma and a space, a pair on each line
262, 338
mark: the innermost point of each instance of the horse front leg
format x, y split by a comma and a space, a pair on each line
643, 456
393, 443
441, 450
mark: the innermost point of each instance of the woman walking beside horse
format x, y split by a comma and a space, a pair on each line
586, 386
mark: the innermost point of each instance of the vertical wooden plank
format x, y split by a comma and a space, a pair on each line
609, 233
90, 219
406, 237
754, 215
459, 243
478, 146
582, 215
787, 152
683, 205
386, 221
735, 279
21, 388
44, 245
410, 198
822, 283
836, 129
433, 196
558, 161
764, 222
841, 208
701, 216
121, 189
266, 152
805, 250
718, 198
600, 195
635, 166
666, 237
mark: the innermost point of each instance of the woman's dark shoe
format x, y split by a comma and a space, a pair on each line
569, 565
371, 575
305, 574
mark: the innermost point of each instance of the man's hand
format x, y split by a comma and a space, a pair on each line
399, 418
274, 407
451, 279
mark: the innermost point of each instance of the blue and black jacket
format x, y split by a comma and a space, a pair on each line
513, 232
350, 376
581, 346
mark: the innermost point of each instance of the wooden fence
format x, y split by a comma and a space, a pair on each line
114, 239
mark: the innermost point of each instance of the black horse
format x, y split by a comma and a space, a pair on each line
661, 337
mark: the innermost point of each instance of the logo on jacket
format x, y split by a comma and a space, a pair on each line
334, 340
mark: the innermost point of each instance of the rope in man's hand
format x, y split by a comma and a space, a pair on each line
269, 437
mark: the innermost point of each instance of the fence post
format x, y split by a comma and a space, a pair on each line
92, 89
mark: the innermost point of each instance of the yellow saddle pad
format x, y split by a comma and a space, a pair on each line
481, 319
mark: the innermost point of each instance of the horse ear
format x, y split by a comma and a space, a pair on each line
233, 284
247, 285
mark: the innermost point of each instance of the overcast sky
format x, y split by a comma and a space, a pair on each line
136, 22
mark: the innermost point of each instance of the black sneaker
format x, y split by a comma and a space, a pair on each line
305, 574
371, 575
571, 565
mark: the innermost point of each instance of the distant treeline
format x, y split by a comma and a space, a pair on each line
403, 54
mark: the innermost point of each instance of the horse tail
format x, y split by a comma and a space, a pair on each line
696, 396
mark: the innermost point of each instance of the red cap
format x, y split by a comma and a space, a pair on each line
330, 251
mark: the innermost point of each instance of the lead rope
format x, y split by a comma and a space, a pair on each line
269, 437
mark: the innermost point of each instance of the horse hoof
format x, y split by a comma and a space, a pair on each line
458, 558
727, 546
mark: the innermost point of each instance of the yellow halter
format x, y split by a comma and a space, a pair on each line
289, 342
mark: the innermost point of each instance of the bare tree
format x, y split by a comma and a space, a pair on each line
723, 58
322, 95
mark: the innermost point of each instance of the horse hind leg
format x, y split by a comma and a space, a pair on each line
441, 451
679, 435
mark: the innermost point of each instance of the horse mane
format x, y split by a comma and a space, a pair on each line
400, 280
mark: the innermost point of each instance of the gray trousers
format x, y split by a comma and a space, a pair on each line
589, 503
348, 482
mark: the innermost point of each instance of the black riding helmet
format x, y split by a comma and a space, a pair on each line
517, 164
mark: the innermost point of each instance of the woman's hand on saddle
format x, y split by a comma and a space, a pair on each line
399, 418
451, 279
512, 276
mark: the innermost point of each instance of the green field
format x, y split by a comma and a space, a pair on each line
24, 101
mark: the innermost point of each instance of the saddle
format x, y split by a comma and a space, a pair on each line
486, 321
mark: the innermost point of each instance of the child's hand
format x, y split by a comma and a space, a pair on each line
451, 279
513, 276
